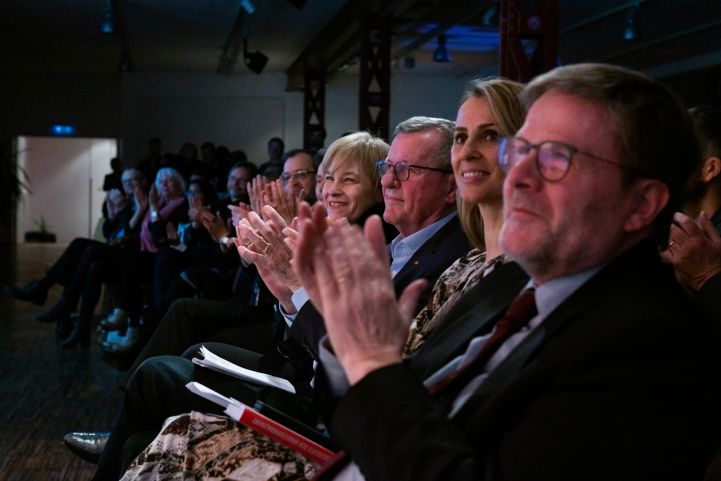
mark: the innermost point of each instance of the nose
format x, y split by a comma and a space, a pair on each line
523, 173
468, 150
389, 178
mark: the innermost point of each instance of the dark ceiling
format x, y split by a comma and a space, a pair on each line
38, 36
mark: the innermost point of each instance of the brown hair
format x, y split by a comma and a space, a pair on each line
508, 114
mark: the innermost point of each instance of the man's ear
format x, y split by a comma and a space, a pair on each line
649, 198
452, 190
711, 169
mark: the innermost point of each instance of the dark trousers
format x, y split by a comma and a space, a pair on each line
82, 268
192, 321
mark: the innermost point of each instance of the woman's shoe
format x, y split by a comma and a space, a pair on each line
132, 340
57, 312
32, 291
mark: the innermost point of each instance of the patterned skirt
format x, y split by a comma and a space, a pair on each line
199, 446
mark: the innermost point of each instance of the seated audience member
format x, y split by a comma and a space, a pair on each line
609, 378
344, 184
113, 180
296, 184
272, 169
247, 319
475, 150
316, 138
83, 256
694, 246
166, 205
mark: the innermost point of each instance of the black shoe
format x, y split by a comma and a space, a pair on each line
32, 292
57, 312
87, 446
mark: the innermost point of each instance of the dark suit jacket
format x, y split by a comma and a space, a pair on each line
613, 385
428, 262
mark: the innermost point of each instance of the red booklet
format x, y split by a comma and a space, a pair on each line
277, 432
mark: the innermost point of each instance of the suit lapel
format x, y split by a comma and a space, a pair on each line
409, 272
579, 303
474, 313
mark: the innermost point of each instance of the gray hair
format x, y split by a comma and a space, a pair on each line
170, 172
444, 128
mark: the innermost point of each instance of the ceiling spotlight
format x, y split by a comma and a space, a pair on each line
441, 53
255, 61
631, 32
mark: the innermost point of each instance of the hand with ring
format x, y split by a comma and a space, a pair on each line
347, 278
694, 249
267, 246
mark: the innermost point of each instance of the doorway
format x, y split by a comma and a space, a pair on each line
65, 180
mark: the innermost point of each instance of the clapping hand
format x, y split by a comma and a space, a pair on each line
284, 202
345, 272
694, 249
255, 192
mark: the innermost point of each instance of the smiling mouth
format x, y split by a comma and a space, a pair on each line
335, 204
475, 173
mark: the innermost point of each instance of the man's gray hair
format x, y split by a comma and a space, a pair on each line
445, 129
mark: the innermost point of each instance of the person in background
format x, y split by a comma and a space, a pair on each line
272, 169
694, 247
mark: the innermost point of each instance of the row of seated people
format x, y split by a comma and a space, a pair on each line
170, 241
562, 346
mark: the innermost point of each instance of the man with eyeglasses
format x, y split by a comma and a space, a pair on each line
419, 193
299, 174
599, 369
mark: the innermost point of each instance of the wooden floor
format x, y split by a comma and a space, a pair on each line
45, 391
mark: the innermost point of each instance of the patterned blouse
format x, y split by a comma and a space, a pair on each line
456, 280
207, 447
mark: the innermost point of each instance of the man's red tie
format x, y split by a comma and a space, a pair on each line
521, 310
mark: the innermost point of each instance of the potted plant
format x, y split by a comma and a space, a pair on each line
43, 234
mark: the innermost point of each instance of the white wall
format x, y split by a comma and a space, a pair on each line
65, 180
243, 112
240, 112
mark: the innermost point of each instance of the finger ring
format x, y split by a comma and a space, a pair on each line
341, 279
266, 248
671, 243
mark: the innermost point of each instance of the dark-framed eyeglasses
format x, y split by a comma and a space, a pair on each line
296, 175
402, 170
553, 159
